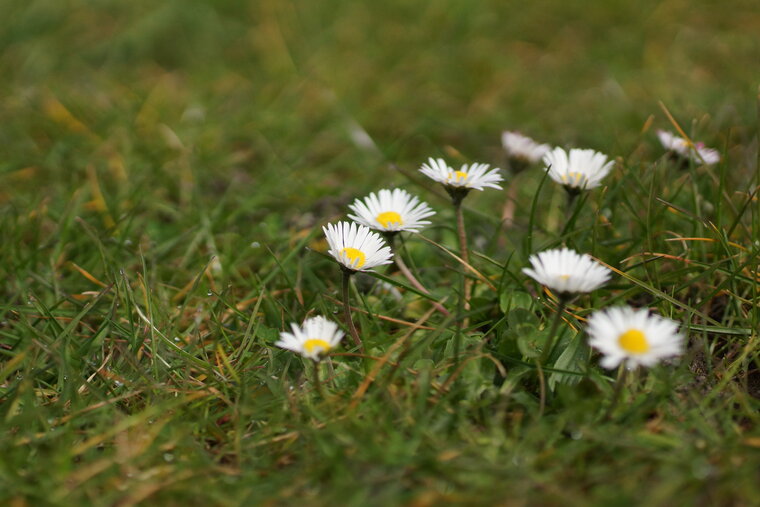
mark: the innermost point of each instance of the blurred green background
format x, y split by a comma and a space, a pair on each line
267, 91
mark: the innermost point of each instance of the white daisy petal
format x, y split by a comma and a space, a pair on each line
391, 210
669, 141
316, 337
567, 271
356, 247
681, 148
634, 336
610, 362
522, 147
473, 176
577, 169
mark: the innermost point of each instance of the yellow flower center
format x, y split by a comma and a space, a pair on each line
389, 218
458, 176
356, 257
564, 277
634, 341
315, 343
574, 179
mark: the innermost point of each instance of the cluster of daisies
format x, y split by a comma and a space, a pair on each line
624, 335
619, 333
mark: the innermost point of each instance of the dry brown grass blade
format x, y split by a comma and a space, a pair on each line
711, 240
86, 274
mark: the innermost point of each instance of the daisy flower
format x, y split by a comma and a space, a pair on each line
476, 176
578, 169
458, 184
567, 271
634, 336
356, 247
680, 147
391, 211
523, 148
317, 337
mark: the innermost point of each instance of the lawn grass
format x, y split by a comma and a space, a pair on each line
167, 168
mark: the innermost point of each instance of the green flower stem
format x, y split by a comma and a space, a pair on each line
572, 195
465, 287
347, 308
457, 195
542, 389
330, 370
317, 380
570, 212
464, 252
619, 383
459, 319
546, 354
553, 332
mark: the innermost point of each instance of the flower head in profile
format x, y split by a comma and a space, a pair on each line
567, 271
315, 338
391, 211
523, 149
683, 149
634, 336
472, 176
577, 169
356, 247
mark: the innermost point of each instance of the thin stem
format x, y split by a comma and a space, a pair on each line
390, 237
317, 380
622, 372
460, 321
347, 308
572, 195
330, 370
415, 283
508, 210
550, 341
542, 389
573, 204
464, 287
464, 252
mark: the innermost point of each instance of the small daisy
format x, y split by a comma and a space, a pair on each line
317, 337
476, 176
523, 148
577, 170
356, 247
680, 147
567, 271
391, 211
634, 336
